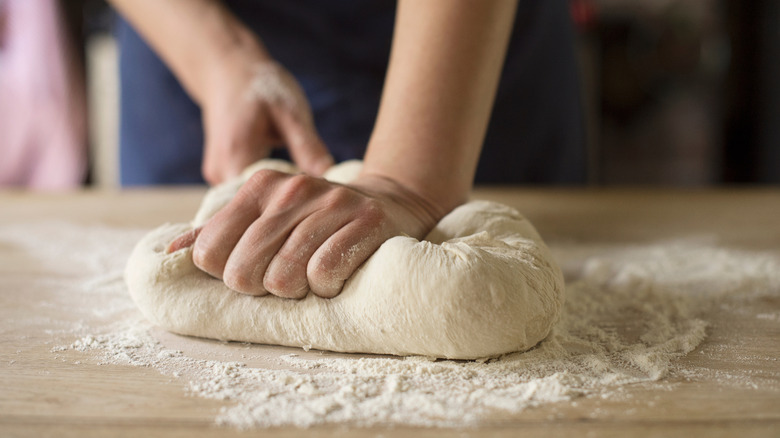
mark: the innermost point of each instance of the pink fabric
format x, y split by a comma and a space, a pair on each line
42, 103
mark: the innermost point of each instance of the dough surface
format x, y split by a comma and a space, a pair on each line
481, 284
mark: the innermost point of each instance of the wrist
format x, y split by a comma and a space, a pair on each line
430, 199
436, 177
426, 212
229, 62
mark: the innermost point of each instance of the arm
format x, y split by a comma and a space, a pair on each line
217, 58
195, 38
442, 79
290, 234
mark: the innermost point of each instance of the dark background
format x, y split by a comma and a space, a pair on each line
676, 92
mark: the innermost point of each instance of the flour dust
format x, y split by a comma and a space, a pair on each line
631, 313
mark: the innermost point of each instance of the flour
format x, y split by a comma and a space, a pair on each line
631, 314
769, 316
272, 83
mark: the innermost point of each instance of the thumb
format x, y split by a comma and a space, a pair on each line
183, 241
306, 147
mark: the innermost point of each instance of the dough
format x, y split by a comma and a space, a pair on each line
481, 284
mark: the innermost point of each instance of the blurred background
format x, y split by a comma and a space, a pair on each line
676, 92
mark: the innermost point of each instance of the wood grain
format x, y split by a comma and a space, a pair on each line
46, 394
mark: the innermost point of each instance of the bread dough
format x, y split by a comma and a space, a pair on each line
481, 284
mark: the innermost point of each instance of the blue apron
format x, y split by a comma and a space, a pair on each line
338, 50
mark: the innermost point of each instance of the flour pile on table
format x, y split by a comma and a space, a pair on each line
631, 312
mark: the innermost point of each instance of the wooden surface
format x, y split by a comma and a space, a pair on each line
44, 396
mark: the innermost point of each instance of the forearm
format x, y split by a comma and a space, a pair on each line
444, 70
193, 37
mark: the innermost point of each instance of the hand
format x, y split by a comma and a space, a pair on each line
249, 109
291, 234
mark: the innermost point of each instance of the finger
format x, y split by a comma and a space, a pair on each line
341, 255
286, 273
305, 145
223, 231
289, 205
183, 241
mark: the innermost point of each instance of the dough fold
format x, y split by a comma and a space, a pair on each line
481, 284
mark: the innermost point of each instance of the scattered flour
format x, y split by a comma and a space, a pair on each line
630, 313
769, 316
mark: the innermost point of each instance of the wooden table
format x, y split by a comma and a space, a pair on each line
44, 396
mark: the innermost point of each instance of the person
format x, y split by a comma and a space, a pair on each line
318, 85
42, 103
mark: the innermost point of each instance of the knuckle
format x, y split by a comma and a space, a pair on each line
206, 260
327, 289
322, 266
240, 280
340, 197
299, 184
260, 180
284, 288
323, 278
235, 281
295, 189
284, 278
